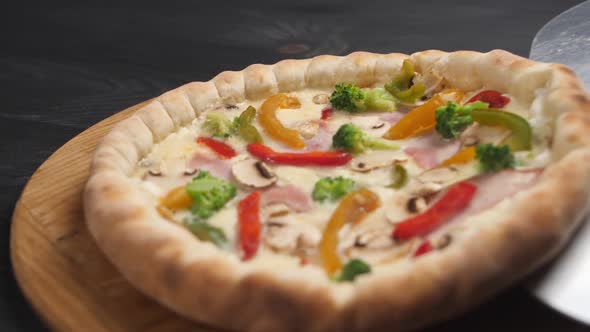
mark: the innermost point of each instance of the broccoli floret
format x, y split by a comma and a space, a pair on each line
332, 188
209, 194
218, 125
351, 98
494, 158
352, 139
453, 118
353, 269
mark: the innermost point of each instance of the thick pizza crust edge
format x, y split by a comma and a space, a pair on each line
201, 282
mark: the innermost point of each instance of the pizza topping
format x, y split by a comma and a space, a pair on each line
247, 131
353, 208
206, 232
155, 172
463, 156
249, 225
189, 171
444, 241
253, 173
352, 139
494, 98
430, 150
494, 158
313, 158
376, 159
455, 200
291, 237
402, 87
399, 175
423, 248
522, 134
218, 125
327, 113
453, 118
218, 167
176, 199
352, 270
416, 204
209, 194
373, 239
332, 189
275, 210
223, 150
322, 140
322, 98
480, 134
271, 124
351, 98
290, 195
308, 129
422, 119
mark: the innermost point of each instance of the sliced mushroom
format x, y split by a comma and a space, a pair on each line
190, 171
376, 159
321, 98
275, 210
146, 163
435, 179
253, 173
417, 204
378, 125
308, 129
478, 134
440, 175
374, 239
395, 209
290, 237
155, 172
443, 242
434, 83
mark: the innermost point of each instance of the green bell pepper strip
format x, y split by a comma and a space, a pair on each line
401, 86
246, 130
522, 133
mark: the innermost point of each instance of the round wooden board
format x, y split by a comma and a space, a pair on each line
57, 264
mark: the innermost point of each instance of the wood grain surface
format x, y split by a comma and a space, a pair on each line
65, 65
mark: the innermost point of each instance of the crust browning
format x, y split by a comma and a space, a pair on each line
201, 282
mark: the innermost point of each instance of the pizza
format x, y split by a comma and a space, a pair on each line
365, 192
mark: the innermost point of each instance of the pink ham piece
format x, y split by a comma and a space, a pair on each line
430, 150
217, 167
491, 190
391, 117
322, 140
289, 195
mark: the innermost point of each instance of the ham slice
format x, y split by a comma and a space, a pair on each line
217, 167
391, 117
320, 141
491, 190
289, 195
430, 150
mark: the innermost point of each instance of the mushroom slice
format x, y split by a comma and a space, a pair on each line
377, 159
478, 134
322, 98
253, 173
290, 237
308, 129
436, 179
275, 210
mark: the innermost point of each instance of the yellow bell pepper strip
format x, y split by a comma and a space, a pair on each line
522, 134
353, 208
422, 119
402, 88
463, 156
271, 124
176, 199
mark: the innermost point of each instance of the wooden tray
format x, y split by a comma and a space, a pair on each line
57, 264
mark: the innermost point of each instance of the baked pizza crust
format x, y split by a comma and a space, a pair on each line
201, 282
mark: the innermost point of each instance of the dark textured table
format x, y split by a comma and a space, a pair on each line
65, 65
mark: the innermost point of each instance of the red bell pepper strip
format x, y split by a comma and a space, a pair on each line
221, 149
494, 98
453, 202
423, 248
313, 158
327, 113
249, 225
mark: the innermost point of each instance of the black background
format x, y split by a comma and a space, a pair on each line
65, 65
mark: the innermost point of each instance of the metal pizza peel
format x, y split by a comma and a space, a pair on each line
565, 284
